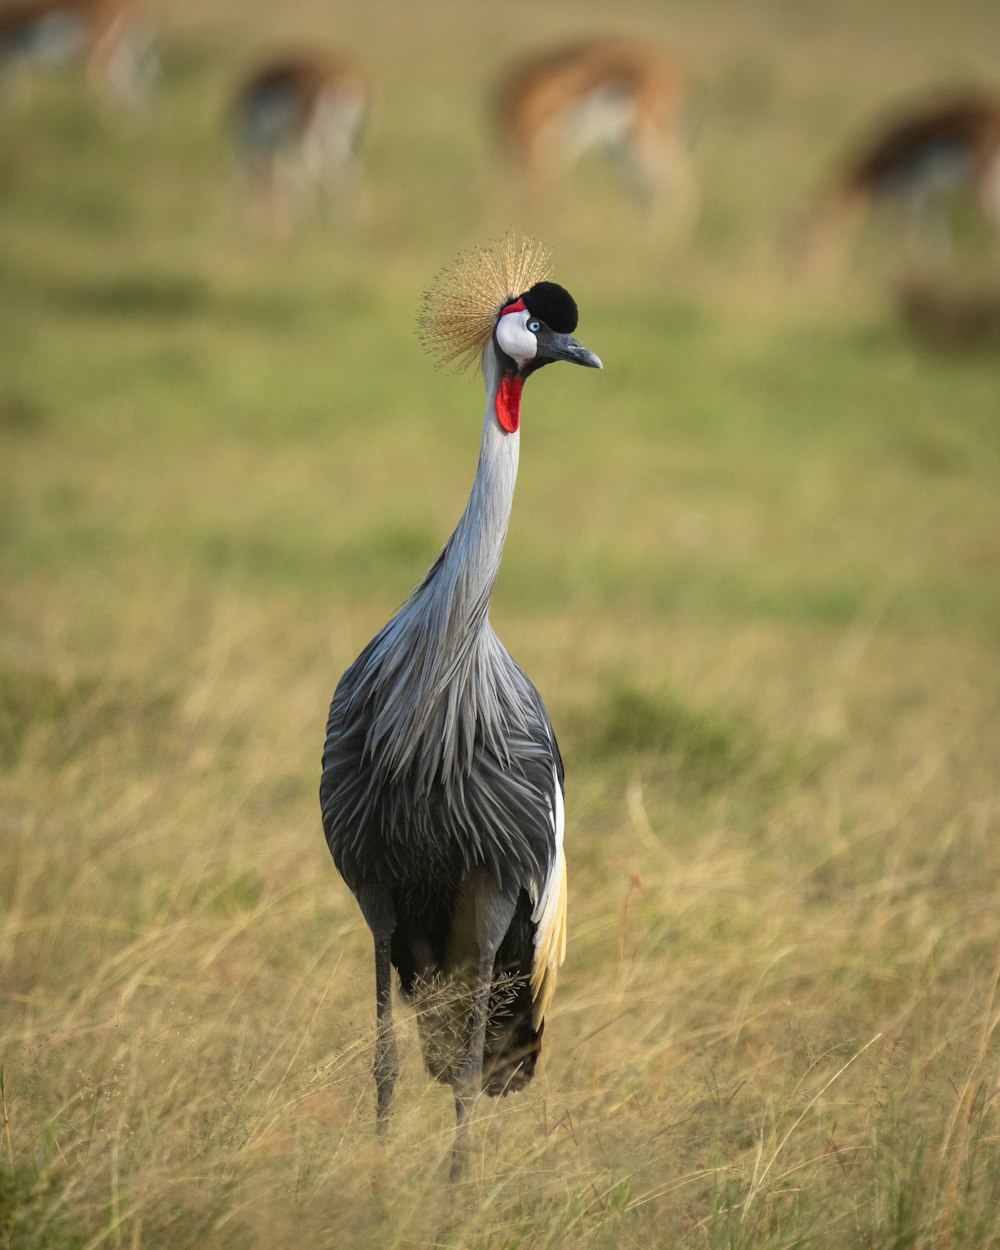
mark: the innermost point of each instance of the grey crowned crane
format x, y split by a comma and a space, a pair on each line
442, 785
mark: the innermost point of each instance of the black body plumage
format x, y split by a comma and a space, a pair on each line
423, 830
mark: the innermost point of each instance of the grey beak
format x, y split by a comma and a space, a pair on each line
552, 346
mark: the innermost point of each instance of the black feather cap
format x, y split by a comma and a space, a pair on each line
553, 304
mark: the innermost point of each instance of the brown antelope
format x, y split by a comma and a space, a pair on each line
916, 164
299, 121
113, 39
629, 99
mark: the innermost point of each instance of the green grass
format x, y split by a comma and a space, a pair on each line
752, 568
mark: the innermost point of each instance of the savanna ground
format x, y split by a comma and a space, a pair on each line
753, 568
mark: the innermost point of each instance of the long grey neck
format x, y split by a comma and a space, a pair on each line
470, 562
433, 669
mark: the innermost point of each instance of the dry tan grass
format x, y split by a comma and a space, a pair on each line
753, 573
776, 1021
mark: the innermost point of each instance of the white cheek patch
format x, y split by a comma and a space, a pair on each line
515, 338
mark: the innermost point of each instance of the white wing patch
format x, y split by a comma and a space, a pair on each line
549, 916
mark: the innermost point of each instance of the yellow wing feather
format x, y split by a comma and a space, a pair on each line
550, 951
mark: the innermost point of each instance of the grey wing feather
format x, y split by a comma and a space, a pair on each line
474, 790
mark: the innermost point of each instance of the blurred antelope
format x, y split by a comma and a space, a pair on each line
916, 165
113, 39
299, 121
629, 99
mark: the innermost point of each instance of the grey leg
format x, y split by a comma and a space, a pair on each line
494, 913
386, 1056
378, 910
469, 1082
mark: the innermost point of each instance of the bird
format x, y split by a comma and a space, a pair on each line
629, 99
915, 163
442, 789
299, 119
113, 39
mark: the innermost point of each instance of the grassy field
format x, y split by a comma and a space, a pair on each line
753, 568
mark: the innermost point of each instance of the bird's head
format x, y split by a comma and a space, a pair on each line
471, 314
534, 330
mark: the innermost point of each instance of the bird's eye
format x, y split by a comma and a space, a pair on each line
534, 326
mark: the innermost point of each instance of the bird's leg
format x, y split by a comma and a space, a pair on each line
469, 1081
494, 911
386, 1057
380, 913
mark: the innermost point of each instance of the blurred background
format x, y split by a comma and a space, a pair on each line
753, 569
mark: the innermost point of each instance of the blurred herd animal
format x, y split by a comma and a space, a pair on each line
299, 120
627, 99
916, 164
114, 40
442, 784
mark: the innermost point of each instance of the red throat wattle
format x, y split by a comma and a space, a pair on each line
509, 402
511, 385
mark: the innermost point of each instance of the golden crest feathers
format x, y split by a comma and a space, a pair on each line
459, 312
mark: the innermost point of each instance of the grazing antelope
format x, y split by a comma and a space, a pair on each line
916, 165
113, 40
628, 99
299, 122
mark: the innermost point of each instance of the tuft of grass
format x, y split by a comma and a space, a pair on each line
20, 415
701, 748
32, 1215
160, 297
30, 700
67, 718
